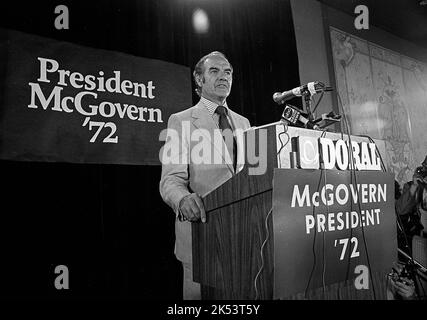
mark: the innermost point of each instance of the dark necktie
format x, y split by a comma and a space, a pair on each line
227, 133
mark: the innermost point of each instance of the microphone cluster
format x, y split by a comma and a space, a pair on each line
310, 88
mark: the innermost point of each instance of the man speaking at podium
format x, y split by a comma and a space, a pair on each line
183, 183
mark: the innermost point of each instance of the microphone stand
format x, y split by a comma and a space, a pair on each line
307, 93
307, 103
412, 266
326, 119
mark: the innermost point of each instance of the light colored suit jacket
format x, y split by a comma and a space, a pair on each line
184, 175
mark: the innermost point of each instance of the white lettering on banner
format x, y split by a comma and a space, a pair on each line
105, 108
83, 101
325, 153
342, 220
113, 84
354, 243
372, 193
341, 194
336, 154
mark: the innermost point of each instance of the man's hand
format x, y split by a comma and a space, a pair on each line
405, 289
192, 208
418, 181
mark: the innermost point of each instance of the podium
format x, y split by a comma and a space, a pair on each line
233, 252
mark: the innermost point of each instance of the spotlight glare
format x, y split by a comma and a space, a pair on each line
200, 21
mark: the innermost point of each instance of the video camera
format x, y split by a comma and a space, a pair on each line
403, 276
422, 171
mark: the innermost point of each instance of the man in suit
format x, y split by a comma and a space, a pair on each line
187, 176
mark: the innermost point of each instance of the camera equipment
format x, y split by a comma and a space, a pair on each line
401, 276
294, 115
422, 171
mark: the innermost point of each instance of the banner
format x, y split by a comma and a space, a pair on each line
69, 103
332, 228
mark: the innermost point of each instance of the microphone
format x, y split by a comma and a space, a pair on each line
311, 87
293, 115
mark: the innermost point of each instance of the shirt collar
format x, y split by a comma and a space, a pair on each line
211, 106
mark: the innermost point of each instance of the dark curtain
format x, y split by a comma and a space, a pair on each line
107, 223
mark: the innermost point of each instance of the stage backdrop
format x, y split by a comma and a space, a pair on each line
69, 103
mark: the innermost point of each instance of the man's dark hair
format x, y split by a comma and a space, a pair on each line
200, 67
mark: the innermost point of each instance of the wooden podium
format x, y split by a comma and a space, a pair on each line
227, 248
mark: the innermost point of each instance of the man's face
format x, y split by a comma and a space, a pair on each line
216, 79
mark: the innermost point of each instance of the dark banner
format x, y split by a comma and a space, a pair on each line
332, 228
68, 103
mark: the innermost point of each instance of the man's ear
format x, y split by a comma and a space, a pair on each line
199, 80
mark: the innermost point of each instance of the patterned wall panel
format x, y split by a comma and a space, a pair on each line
384, 95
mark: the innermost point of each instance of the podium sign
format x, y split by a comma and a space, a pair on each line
330, 226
